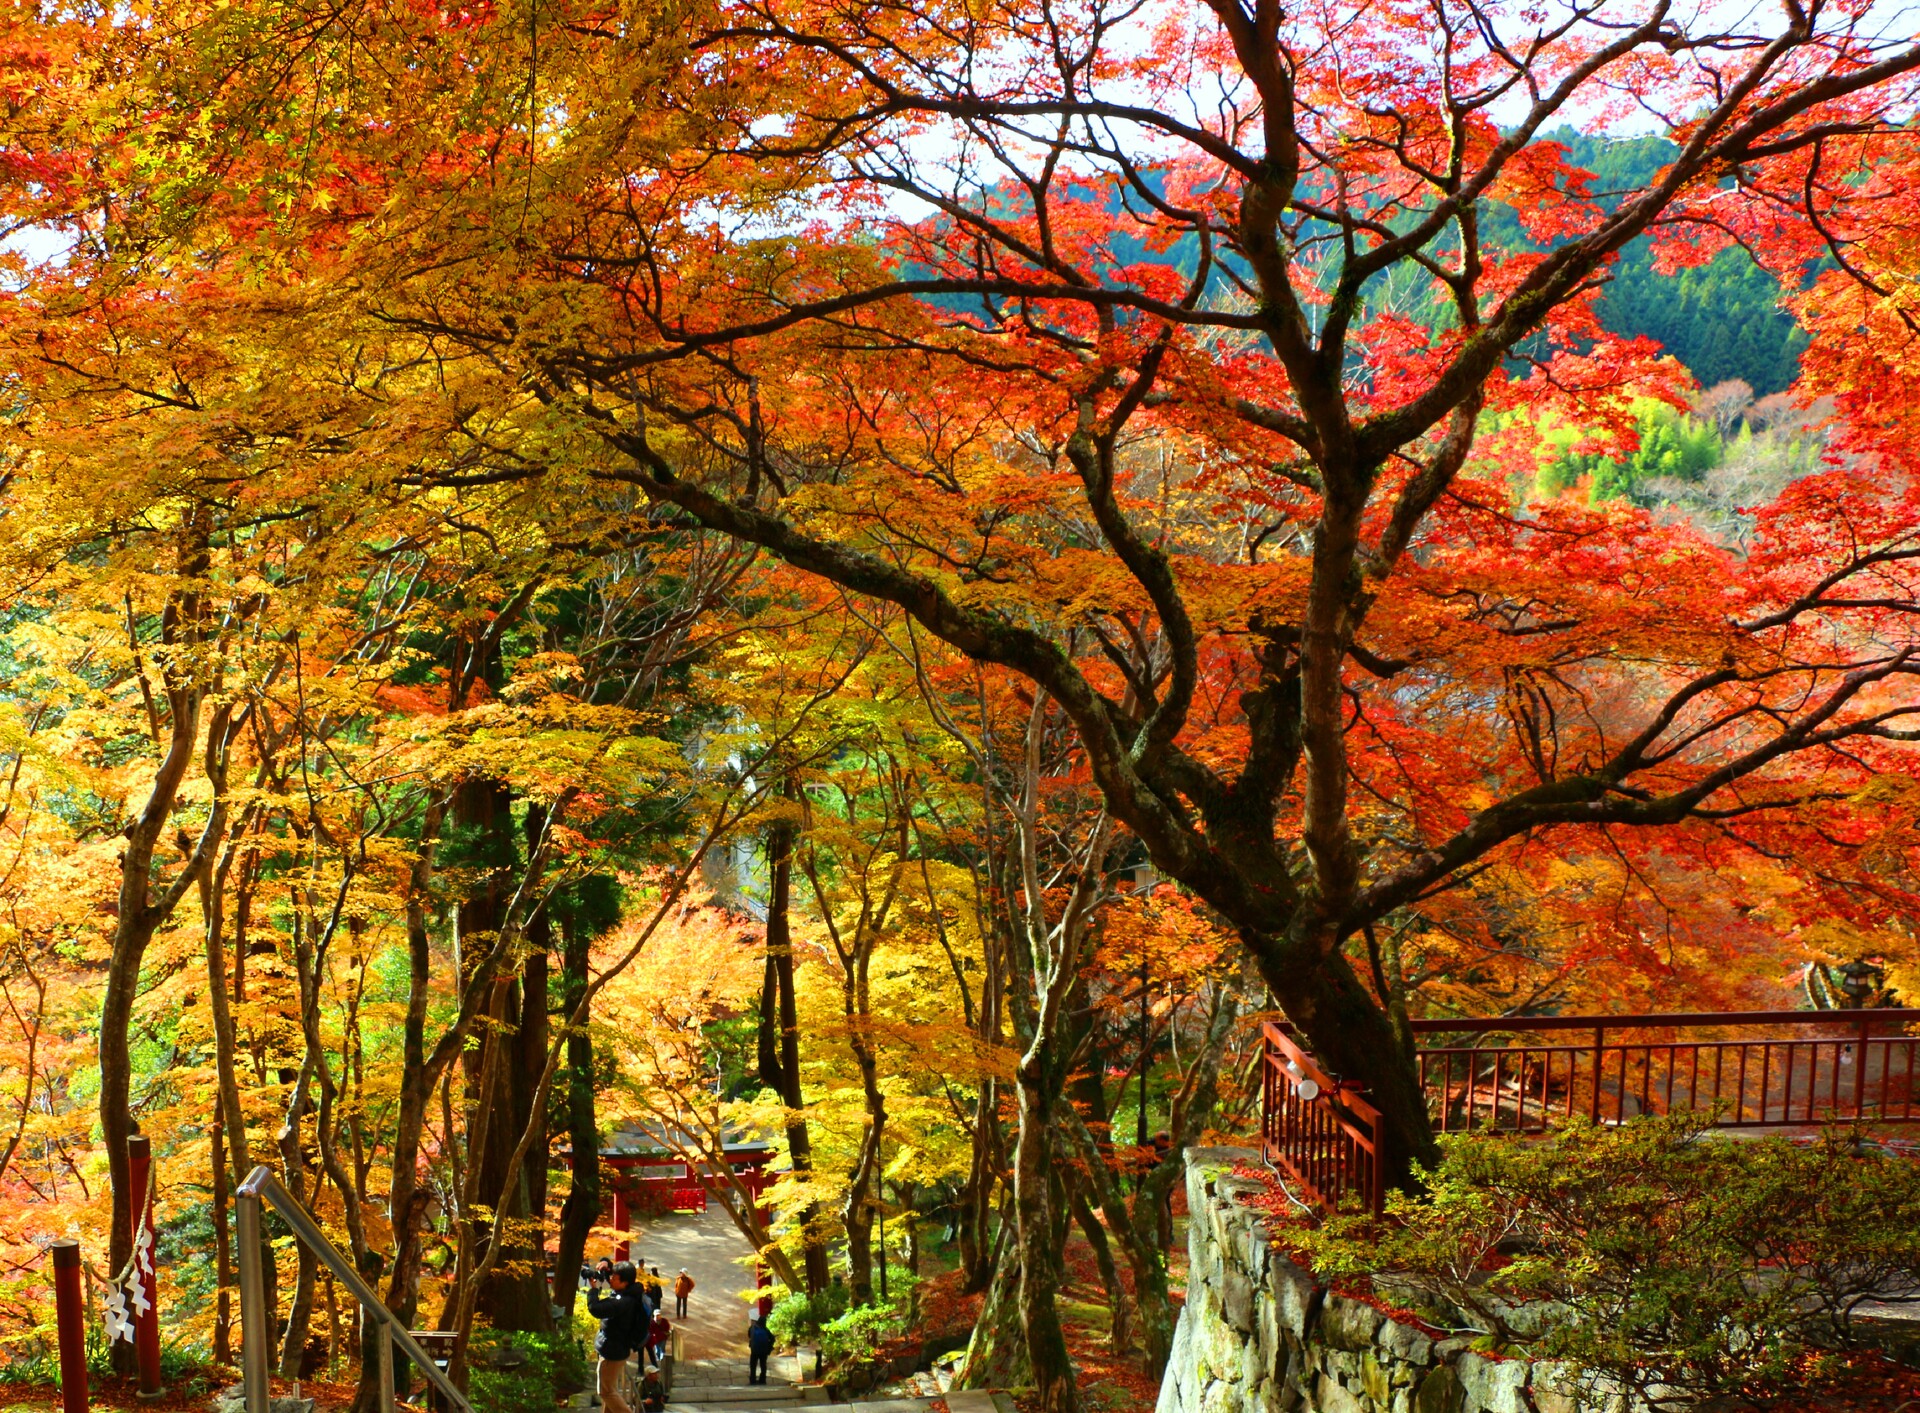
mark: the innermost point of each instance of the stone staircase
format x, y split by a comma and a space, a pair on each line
720, 1386
714, 1385
958, 1401
775, 1398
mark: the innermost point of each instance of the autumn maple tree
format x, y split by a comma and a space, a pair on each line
439, 427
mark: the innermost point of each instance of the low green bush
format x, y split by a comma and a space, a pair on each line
1658, 1259
556, 1365
183, 1367
858, 1334
798, 1316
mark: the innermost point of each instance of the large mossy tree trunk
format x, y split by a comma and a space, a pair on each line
499, 1080
1036, 1233
997, 1350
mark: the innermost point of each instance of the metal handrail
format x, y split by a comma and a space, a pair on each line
261, 1183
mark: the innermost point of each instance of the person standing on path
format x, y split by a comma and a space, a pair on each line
759, 1349
682, 1288
657, 1334
622, 1330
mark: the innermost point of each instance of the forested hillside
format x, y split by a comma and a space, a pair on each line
1722, 320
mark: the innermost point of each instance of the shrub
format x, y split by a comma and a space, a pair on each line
858, 1334
555, 1365
1657, 1259
796, 1315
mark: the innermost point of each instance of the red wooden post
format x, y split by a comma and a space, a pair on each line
620, 1218
1860, 1066
145, 1307
71, 1317
757, 1184
1599, 1045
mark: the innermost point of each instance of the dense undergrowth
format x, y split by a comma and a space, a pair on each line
1658, 1258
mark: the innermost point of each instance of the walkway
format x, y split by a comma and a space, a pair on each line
710, 1371
720, 1261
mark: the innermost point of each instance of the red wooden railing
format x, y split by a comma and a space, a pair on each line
1322, 1133
1758, 1069
1754, 1069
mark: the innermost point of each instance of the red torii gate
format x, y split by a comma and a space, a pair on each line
651, 1181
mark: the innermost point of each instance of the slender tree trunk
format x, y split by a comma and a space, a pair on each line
333, 1326
293, 1341
222, 1251
857, 1211
1119, 1299
534, 1037
581, 1211
232, 1117
786, 1080
233, 1151
905, 1193
986, 1161
407, 1200
470, 1223
140, 913
976, 1198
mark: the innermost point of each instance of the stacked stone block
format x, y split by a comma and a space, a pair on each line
1260, 1335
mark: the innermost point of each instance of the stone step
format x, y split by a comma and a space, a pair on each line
758, 1395
755, 1400
979, 1400
775, 1399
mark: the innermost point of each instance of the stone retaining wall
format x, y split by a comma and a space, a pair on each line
1259, 1335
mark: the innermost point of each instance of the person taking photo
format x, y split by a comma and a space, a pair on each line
622, 1316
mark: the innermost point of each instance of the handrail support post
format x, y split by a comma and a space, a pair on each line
384, 1343
260, 1184
254, 1334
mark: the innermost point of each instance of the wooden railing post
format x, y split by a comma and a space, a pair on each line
1860, 1066
1599, 1044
